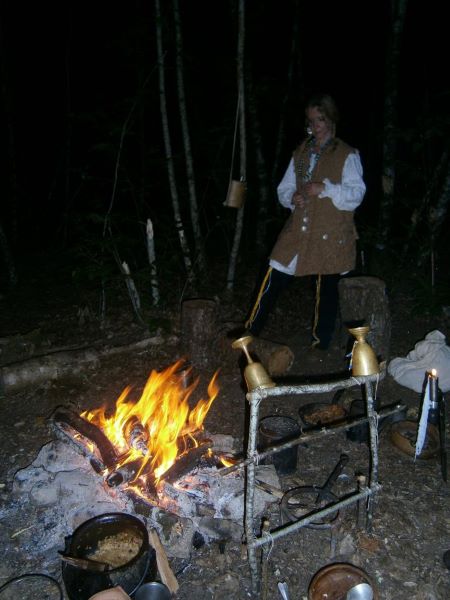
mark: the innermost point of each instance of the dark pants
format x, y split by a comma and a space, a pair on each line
327, 301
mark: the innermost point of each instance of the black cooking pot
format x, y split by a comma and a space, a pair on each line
83, 583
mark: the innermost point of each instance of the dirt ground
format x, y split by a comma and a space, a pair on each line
403, 553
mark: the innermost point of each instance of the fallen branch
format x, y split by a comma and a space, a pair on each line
55, 364
89, 431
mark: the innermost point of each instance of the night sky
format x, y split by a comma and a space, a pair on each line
74, 69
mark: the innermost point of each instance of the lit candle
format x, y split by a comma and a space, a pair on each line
433, 381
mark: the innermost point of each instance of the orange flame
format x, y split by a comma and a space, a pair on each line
164, 417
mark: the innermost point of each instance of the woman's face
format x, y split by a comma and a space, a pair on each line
320, 126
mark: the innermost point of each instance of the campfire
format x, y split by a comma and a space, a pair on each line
147, 455
145, 443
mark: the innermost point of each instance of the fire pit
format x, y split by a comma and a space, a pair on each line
150, 457
141, 443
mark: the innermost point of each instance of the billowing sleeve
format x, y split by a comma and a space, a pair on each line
348, 194
287, 187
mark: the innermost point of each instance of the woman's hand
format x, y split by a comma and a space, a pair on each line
314, 188
298, 199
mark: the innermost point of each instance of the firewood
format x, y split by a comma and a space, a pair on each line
186, 462
166, 573
125, 473
89, 431
276, 358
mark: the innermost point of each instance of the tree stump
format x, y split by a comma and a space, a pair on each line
363, 301
199, 330
276, 358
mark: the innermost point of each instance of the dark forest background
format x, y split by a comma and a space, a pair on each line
84, 162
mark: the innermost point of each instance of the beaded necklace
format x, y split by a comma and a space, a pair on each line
309, 159
304, 170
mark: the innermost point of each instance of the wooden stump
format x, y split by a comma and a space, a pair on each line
363, 301
199, 330
276, 358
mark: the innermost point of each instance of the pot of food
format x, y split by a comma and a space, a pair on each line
107, 551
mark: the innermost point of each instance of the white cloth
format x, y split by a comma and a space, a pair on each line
430, 353
346, 195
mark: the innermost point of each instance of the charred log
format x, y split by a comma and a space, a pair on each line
186, 462
125, 473
89, 431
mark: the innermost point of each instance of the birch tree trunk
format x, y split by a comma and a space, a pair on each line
152, 261
263, 183
193, 205
398, 11
132, 290
168, 148
243, 146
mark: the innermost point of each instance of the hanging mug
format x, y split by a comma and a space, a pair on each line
236, 194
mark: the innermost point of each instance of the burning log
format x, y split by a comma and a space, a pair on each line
136, 435
127, 474
186, 462
89, 431
124, 473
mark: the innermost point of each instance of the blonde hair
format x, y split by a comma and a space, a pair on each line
326, 105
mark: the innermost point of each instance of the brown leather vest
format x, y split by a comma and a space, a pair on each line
322, 236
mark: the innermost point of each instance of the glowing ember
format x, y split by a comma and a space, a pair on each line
160, 426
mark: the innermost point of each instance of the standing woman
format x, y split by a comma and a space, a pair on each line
322, 187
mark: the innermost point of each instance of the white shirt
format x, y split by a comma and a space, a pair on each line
346, 195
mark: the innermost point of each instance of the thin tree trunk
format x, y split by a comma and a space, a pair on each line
152, 261
198, 240
168, 148
243, 145
131, 286
398, 12
281, 136
132, 291
261, 171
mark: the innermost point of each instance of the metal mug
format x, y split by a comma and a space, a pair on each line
236, 194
